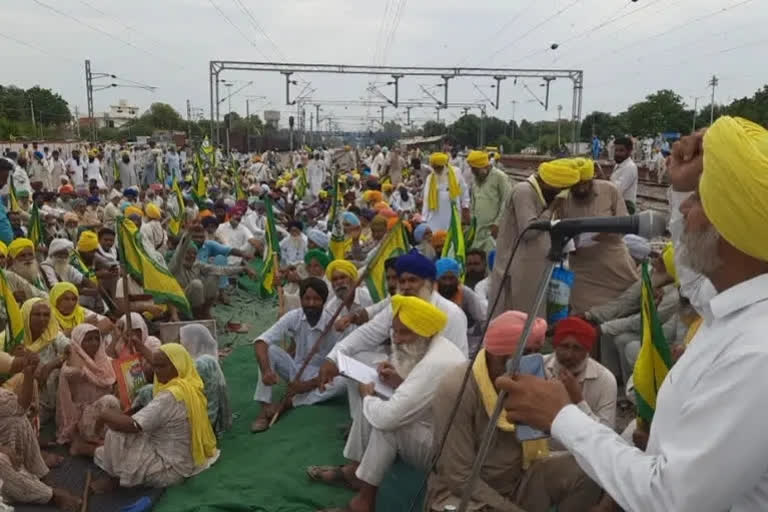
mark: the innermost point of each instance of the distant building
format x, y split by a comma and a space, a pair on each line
117, 116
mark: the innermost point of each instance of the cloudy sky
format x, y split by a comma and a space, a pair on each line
626, 49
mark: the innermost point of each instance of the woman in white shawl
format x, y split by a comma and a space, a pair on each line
204, 350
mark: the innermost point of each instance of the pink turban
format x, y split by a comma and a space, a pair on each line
505, 330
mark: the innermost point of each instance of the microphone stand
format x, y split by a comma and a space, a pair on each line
554, 258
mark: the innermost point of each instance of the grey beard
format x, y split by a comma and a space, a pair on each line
341, 292
700, 250
424, 293
405, 356
61, 267
29, 271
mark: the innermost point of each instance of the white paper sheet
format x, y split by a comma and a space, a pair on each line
360, 372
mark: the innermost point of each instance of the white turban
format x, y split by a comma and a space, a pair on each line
639, 247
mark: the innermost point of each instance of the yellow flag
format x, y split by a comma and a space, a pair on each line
394, 244
174, 225
14, 335
156, 280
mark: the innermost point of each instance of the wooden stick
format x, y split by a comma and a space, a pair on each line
280, 292
86, 491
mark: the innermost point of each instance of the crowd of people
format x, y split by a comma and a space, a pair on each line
206, 219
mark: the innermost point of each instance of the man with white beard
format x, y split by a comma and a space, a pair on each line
22, 254
342, 275
720, 379
56, 267
402, 425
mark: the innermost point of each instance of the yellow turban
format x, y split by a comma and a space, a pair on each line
19, 245
561, 173
153, 212
586, 168
256, 158
133, 210
419, 315
3, 249
668, 257
734, 184
387, 187
322, 194
343, 266
438, 159
478, 159
88, 241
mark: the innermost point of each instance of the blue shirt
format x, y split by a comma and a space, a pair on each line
211, 249
6, 231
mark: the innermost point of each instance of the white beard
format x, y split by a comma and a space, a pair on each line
405, 356
29, 271
61, 267
700, 253
424, 293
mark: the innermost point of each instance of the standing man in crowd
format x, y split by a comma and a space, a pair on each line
490, 188
624, 175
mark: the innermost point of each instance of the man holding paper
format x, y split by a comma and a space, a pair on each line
402, 425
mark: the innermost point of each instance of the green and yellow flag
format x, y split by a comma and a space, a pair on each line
156, 280
301, 183
470, 232
35, 230
271, 250
14, 331
454, 243
210, 152
13, 203
394, 244
655, 359
177, 221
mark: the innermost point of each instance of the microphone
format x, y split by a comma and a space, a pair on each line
648, 224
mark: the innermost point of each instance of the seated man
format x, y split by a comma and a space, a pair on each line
508, 480
475, 307
343, 276
591, 386
402, 425
21, 253
305, 326
21, 463
619, 322
416, 278
481, 288
83, 258
476, 267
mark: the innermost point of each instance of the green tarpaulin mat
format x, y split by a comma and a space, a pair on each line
266, 472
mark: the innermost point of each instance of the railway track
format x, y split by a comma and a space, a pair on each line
650, 195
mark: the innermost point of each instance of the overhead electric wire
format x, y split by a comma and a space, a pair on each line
686, 23
613, 17
259, 28
38, 49
501, 29
238, 29
395, 24
535, 27
99, 30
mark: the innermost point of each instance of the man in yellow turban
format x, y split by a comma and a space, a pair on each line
383, 429
342, 274
724, 240
602, 266
444, 188
531, 200
153, 234
490, 187
23, 265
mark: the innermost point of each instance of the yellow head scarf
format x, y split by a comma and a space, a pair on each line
88, 241
586, 167
419, 315
561, 173
48, 335
344, 266
441, 159
3, 249
73, 319
153, 212
133, 210
734, 184
188, 388
19, 245
478, 159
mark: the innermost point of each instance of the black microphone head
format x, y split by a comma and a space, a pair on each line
652, 224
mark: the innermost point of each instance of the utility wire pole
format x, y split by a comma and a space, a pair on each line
712, 83
559, 115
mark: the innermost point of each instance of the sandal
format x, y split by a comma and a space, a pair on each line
339, 479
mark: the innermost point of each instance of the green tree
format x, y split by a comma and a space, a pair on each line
162, 116
465, 129
432, 128
50, 108
663, 111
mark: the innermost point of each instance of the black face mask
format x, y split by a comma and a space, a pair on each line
313, 315
473, 277
447, 291
126, 158
403, 194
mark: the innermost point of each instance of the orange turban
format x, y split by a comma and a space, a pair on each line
388, 213
438, 237
505, 330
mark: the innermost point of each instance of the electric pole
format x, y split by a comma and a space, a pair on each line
32, 113
514, 104
695, 111
89, 94
189, 121
559, 115
712, 83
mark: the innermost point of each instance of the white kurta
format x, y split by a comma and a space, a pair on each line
237, 238
362, 301
316, 175
75, 171
441, 218
624, 176
707, 448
